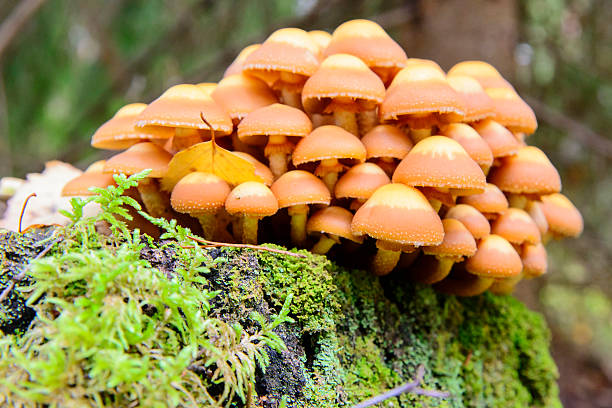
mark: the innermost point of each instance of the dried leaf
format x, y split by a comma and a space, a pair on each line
210, 158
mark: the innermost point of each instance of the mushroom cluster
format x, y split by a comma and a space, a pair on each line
371, 153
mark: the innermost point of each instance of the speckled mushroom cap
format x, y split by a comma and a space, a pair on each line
527, 172
473, 220
477, 103
369, 42
512, 111
439, 161
120, 132
92, 177
500, 140
207, 87
342, 76
492, 201
563, 217
484, 73
199, 193
458, 242
181, 105
386, 141
298, 187
261, 169
139, 157
421, 97
328, 142
400, 215
253, 199
495, 258
516, 226
321, 38
427, 62
361, 181
471, 141
333, 220
240, 94
236, 66
273, 120
535, 260
288, 50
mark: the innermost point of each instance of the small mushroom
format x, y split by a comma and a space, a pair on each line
250, 201
359, 183
477, 104
295, 190
93, 176
564, 219
490, 203
517, 227
399, 218
495, 258
201, 195
499, 139
475, 146
462, 283
483, 72
330, 224
535, 260
511, 111
386, 145
473, 220
236, 66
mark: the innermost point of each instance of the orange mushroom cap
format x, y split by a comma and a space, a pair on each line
273, 120
563, 217
500, 140
458, 242
512, 111
361, 181
92, 177
483, 72
495, 258
491, 201
253, 199
328, 142
471, 141
400, 215
516, 226
298, 187
421, 97
236, 66
333, 220
207, 87
438, 161
139, 157
473, 220
477, 103
240, 94
527, 172
120, 132
386, 141
342, 76
199, 193
535, 260
369, 42
321, 38
181, 106
289, 51
261, 169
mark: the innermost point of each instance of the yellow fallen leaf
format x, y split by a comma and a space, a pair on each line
210, 158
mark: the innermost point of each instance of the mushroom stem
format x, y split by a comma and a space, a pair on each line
298, 215
367, 120
291, 98
347, 120
184, 138
330, 179
388, 165
209, 223
237, 228
278, 164
324, 244
249, 230
517, 201
429, 269
384, 261
357, 203
154, 200
464, 287
435, 204
419, 134
505, 286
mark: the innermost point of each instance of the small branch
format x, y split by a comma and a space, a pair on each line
412, 387
23, 207
21, 275
16, 20
213, 244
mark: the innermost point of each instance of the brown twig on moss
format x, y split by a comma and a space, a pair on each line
213, 244
23, 207
412, 387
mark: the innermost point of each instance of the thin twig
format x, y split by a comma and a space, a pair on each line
16, 20
213, 244
412, 386
21, 275
23, 207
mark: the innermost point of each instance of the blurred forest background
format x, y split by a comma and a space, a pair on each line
67, 66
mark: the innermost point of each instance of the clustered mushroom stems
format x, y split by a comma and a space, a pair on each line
367, 120
299, 214
328, 171
208, 221
324, 244
429, 269
154, 199
278, 151
290, 83
248, 230
419, 134
385, 261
